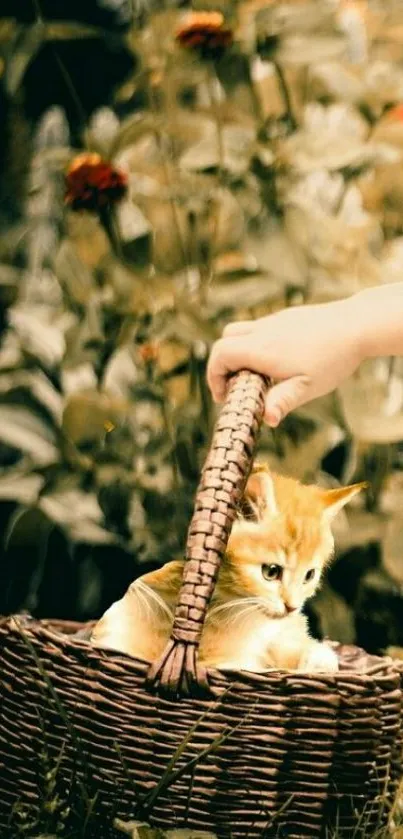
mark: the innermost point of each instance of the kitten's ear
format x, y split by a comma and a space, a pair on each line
165, 580
259, 492
335, 499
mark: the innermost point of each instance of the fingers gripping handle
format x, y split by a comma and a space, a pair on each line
222, 484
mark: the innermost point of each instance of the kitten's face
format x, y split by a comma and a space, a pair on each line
278, 549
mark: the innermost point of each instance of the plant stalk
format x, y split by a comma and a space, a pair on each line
286, 95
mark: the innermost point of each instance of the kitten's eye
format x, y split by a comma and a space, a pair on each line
309, 575
272, 572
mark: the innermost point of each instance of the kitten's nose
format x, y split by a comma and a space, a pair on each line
290, 609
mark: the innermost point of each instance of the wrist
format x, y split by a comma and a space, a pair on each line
357, 326
378, 312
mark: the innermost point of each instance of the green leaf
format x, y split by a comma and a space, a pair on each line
237, 147
185, 833
245, 293
20, 486
372, 404
103, 128
22, 429
39, 335
9, 282
75, 277
138, 830
27, 526
26, 46
35, 385
134, 233
300, 49
79, 514
121, 374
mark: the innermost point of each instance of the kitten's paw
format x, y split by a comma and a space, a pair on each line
320, 659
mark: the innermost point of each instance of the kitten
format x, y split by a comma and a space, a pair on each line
278, 548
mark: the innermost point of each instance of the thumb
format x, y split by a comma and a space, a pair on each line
285, 397
238, 327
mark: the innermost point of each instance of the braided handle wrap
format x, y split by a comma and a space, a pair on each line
222, 484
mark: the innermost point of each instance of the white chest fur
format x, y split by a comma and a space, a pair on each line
250, 642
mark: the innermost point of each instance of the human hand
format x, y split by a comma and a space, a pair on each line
307, 351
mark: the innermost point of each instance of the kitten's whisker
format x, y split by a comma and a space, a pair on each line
151, 595
263, 605
241, 615
142, 600
232, 604
235, 610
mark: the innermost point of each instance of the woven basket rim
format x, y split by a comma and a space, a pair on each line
378, 669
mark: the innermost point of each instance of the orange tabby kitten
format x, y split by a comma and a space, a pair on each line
278, 547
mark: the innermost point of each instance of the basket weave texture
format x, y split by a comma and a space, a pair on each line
275, 754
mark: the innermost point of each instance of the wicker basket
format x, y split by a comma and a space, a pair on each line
276, 754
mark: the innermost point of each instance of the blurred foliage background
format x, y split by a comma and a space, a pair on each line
262, 148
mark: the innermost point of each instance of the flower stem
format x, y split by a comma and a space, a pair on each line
108, 220
171, 177
285, 94
255, 99
213, 86
207, 268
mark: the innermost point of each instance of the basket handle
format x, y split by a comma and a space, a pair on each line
221, 487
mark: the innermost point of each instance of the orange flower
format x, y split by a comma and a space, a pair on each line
93, 183
149, 351
396, 113
205, 33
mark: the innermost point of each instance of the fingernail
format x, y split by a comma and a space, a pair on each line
274, 417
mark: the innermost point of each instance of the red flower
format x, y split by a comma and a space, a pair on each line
149, 351
205, 33
93, 183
